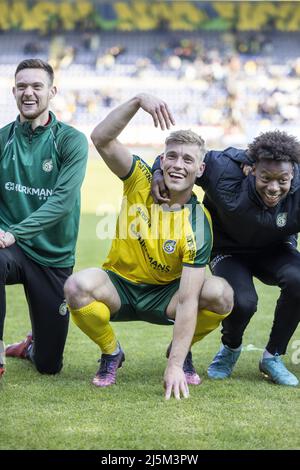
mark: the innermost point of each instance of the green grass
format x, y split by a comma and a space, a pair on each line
67, 412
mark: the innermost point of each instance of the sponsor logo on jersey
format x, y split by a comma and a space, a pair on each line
47, 165
154, 264
42, 193
169, 246
281, 219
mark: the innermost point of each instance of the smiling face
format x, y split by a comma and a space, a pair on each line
181, 165
33, 92
273, 180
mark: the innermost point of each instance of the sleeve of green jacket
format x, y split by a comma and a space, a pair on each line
74, 150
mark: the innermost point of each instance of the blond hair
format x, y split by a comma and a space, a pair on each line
187, 137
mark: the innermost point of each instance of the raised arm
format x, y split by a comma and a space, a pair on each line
104, 136
191, 283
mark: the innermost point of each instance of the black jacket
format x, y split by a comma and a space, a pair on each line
241, 221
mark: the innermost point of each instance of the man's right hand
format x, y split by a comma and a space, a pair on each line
159, 191
6, 239
2, 235
158, 109
175, 382
247, 169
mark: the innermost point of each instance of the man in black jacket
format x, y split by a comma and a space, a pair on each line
254, 219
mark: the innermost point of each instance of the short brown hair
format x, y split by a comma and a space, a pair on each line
36, 64
187, 137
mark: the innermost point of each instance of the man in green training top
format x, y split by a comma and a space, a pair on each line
42, 166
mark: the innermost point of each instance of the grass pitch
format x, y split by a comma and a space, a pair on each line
67, 412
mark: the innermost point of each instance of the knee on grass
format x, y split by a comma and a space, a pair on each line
47, 367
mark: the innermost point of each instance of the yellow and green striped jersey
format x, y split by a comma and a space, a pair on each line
153, 243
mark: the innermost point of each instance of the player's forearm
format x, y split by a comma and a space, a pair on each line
47, 216
110, 128
184, 328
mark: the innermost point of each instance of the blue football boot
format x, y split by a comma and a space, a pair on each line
275, 370
223, 362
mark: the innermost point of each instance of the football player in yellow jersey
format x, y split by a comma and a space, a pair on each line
152, 273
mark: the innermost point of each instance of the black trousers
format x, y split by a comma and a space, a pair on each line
276, 268
43, 288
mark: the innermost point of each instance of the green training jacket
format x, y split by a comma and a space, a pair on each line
41, 173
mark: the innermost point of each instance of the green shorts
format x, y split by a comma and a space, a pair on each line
146, 302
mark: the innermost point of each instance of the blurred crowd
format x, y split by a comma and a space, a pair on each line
234, 82
240, 82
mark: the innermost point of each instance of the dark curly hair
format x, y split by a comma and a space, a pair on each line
274, 145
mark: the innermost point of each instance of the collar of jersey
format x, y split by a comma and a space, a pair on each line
26, 129
192, 200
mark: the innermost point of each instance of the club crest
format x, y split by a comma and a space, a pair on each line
281, 219
63, 309
47, 165
169, 246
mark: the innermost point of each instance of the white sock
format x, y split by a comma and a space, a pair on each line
234, 349
267, 355
117, 350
